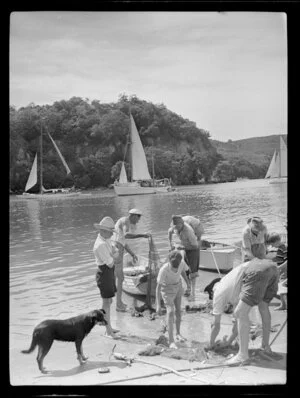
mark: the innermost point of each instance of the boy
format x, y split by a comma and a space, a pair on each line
105, 255
169, 288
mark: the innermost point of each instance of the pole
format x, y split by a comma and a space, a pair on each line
41, 160
215, 261
130, 146
152, 165
279, 331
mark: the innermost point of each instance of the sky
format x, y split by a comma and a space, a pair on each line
225, 71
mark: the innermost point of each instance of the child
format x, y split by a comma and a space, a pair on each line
169, 287
280, 258
105, 255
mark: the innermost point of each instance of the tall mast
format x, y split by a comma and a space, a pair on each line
41, 160
152, 165
130, 146
279, 156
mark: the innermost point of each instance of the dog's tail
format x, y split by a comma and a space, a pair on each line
32, 346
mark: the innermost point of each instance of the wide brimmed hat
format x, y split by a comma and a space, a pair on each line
177, 220
106, 224
135, 211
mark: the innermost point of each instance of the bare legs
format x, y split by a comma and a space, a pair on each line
170, 320
106, 307
266, 324
242, 314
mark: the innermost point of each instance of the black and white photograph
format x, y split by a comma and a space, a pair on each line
148, 198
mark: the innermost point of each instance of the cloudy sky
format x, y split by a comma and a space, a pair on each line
225, 71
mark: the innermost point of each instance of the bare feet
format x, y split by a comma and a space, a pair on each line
179, 338
237, 360
173, 345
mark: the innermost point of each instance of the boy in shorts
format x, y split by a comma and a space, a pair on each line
105, 254
169, 288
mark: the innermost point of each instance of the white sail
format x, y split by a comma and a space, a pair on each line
273, 170
139, 165
123, 175
32, 179
283, 158
60, 155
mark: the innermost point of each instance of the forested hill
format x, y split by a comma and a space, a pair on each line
257, 150
92, 137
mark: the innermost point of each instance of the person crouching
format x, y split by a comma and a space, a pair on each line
169, 288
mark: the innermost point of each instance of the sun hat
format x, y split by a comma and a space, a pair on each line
135, 211
177, 220
106, 224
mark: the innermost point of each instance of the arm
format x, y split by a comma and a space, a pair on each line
215, 329
234, 333
170, 235
158, 298
134, 256
186, 279
246, 245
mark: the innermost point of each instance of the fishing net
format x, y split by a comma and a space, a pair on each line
153, 258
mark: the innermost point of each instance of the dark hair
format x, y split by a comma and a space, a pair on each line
175, 256
272, 238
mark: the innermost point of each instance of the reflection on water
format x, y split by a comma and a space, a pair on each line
52, 270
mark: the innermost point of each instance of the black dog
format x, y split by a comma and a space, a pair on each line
209, 288
71, 329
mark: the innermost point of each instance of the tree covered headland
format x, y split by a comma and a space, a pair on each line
92, 137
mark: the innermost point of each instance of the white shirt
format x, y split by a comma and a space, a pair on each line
103, 251
167, 277
122, 227
228, 289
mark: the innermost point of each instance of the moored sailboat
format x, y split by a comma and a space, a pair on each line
277, 171
33, 176
141, 182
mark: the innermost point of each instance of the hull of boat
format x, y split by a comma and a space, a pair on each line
221, 258
133, 189
280, 180
26, 195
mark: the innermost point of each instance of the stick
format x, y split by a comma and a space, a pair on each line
279, 331
215, 261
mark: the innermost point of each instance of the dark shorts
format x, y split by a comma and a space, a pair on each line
260, 282
105, 279
192, 258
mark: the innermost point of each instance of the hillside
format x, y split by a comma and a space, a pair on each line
258, 150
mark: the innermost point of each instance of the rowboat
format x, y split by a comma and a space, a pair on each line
218, 256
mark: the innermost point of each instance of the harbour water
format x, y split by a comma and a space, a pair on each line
52, 269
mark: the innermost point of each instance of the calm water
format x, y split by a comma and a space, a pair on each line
52, 269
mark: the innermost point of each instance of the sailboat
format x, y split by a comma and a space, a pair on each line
33, 176
277, 171
141, 182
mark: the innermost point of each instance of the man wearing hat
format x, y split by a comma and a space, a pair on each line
105, 254
125, 229
190, 244
254, 239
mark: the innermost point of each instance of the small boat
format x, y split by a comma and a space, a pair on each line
141, 182
277, 171
33, 176
218, 256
